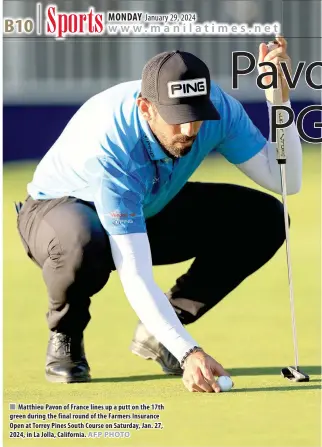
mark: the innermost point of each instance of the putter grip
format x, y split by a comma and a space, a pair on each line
278, 100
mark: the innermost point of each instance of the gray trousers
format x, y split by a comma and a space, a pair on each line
229, 231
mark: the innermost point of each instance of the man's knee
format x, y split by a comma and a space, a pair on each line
81, 246
89, 255
88, 244
276, 220
86, 261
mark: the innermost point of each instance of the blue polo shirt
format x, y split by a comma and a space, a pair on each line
108, 155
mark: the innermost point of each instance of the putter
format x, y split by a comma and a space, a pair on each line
292, 373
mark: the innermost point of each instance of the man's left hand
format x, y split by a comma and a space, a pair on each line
275, 56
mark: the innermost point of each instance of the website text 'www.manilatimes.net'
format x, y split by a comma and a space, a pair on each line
54, 23
63, 29
206, 28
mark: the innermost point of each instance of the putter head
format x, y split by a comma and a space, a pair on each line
294, 374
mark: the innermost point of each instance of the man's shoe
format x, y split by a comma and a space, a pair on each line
66, 361
146, 346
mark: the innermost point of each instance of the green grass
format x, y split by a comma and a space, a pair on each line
249, 333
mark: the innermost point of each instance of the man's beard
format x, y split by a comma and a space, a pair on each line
178, 147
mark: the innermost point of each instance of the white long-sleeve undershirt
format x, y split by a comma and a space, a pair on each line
263, 167
132, 258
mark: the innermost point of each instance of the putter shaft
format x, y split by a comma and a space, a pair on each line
289, 267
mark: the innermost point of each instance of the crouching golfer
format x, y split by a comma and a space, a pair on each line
113, 193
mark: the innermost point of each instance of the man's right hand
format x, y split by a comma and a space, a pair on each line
199, 372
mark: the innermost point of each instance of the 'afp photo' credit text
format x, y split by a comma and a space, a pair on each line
162, 216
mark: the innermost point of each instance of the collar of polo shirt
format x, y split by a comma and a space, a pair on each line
150, 143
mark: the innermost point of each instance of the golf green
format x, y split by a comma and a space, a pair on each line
249, 332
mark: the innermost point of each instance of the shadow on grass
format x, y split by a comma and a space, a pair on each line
235, 372
135, 378
291, 387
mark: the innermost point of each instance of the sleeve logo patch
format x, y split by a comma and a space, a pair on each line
117, 214
122, 222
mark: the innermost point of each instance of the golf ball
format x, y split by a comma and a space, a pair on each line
225, 383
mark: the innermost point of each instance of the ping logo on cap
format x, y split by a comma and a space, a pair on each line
190, 87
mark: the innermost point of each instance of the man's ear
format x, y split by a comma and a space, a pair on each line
145, 108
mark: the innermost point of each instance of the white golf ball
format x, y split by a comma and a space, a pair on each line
225, 383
